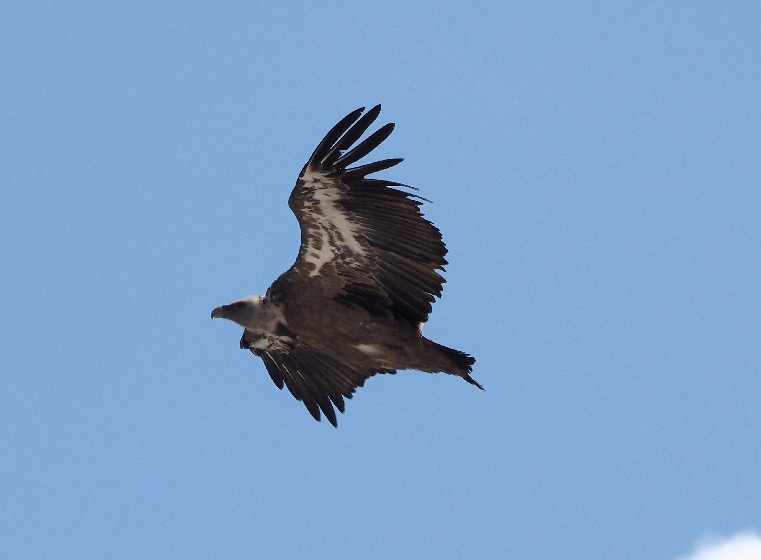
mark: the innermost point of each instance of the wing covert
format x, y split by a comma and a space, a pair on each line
365, 232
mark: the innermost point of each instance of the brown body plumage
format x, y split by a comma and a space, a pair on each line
353, 303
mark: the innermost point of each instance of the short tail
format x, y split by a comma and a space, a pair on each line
460, 363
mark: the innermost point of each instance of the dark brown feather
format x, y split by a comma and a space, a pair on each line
351, 136
367, 169
333, 135
366, 146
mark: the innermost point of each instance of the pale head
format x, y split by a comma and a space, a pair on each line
247, 312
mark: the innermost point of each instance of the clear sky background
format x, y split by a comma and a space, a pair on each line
595, 170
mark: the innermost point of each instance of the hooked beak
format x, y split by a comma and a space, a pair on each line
218, 312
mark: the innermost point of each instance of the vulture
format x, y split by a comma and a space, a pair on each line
354, 302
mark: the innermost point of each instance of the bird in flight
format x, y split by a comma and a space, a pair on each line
354, 302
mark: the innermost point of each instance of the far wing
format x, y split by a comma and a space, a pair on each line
318, 380
364, 233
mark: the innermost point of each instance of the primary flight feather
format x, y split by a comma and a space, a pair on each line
354, 302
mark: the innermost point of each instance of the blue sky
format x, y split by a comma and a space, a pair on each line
595, 170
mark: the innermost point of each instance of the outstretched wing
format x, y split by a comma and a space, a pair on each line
364, 239
316, 379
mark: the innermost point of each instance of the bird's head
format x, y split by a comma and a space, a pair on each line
244, 311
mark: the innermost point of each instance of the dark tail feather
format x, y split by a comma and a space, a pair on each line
462, 362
